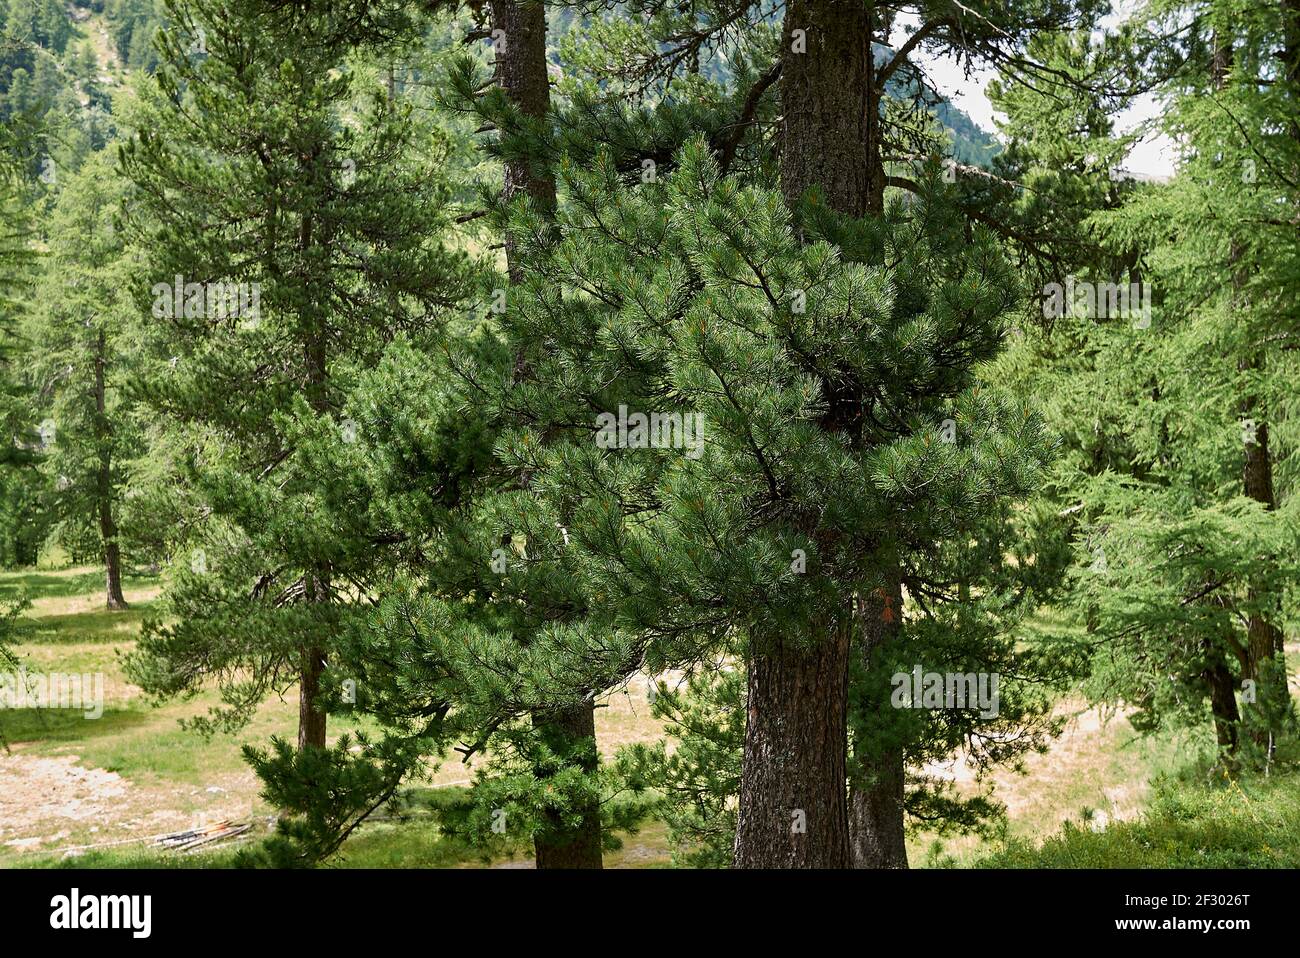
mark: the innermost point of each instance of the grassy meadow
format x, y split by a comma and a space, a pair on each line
91, 793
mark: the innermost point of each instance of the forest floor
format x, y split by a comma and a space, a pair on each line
76, 790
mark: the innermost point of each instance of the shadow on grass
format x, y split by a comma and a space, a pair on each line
64, 725
38, 584
100, 625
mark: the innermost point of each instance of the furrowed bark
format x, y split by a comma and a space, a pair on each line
793, 802
796, 735
830, 134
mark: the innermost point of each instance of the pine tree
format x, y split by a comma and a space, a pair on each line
836, 137
294, 228
518, 32
599, 237
677, 552
542, 776
430, 666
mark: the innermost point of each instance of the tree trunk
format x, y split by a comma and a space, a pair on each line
558, 846
1263, 636
112, 562
793, 803
1223, 706
830, 130
520, 50
876, 812
796, 735
876, 797
104, 485
311, 717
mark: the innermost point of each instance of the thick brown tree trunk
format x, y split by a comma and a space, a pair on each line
830, 128
794, 772
876, 797
793, 803
793, 791
520, 53
876, 812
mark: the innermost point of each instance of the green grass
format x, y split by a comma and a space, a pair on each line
170, 772
1251, 823
172, 777
113, 858
65, 583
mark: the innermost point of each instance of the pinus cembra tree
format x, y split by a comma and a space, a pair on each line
833, 138
293, 227
459, 652
520, 53
461, 631
654, 298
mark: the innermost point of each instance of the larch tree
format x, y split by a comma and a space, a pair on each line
82, 322
1182, 538
1225, 263
17, 269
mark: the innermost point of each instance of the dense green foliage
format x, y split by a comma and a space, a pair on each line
255, 332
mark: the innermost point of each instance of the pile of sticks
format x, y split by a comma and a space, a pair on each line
194, 837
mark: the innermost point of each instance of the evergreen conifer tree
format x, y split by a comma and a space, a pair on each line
294, 222
82, 321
